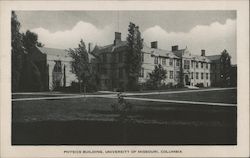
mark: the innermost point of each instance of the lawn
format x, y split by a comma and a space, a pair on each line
92, 121
223, 96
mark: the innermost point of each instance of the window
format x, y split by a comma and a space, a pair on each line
192, 64
156, 60
186, 64
104, 71
192, 75
120, 57
177, 62
201, 65
170, 62
106, 82
120, 72
197, 75
202, 75
177, 75
104, 57
142, 57
142, 72
58, 66
197, 64
206, 65
171, 75
207, 76
163, 61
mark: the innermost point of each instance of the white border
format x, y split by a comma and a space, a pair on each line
242, 7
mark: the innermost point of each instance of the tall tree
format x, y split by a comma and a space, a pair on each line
80, 64
133, 63
31, 79
225, 68
17, 52
30, 40
157, 76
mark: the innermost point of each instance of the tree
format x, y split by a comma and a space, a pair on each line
25, 73
225, 68
17, 52
80, 64
31, 79
30, 40
157, 76
133, 63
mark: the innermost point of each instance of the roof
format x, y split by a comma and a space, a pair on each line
111, 47
146, 49
53, 51
200, 58
179, 52
59, 54
158, 52
213, 57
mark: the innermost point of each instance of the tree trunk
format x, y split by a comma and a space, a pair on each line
80, 86
84, 90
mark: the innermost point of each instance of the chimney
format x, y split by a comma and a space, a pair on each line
118, 37
90, 47
203, 52
154, 45
174, 48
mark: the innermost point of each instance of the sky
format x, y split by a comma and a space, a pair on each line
213, 31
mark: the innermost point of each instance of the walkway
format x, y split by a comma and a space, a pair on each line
113, 95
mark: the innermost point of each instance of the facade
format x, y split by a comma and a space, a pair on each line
108, 63
195, 68
58, 67
180, 64
215, 69
54, 67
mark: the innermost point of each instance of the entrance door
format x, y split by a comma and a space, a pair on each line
187, 82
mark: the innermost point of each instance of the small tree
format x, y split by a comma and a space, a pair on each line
80, 64
133, 63
225, 68
157, 76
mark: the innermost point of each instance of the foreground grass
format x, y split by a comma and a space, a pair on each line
92, 121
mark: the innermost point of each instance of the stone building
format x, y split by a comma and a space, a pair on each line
180, 64
195, 68
215, 69
108, 63
58, 67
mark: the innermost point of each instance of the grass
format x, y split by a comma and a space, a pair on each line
222, 96
92, 121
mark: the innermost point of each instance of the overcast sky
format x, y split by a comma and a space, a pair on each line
209, 30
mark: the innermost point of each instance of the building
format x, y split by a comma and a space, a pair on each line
180, 64
217, 69
52, 67
109, 62
58, 67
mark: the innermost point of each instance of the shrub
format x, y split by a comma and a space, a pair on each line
200, 85
122, 107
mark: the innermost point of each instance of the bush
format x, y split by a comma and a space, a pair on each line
179, 85
200, 85
74, 87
